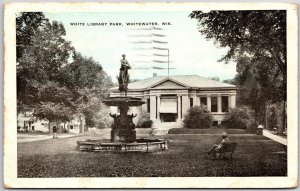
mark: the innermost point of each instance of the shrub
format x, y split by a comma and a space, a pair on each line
147, 124
197, 117
144, 120
239, 118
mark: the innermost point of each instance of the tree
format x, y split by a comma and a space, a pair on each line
40, 60
55, 104
230, 81
256, 41
87, 78
27, 24
53, 112
260, 85
85, 73
216, 78
97, 114
48, 82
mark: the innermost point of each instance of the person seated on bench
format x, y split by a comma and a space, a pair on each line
217, 147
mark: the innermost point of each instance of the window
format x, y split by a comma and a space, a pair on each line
224, 103
191, 102
203, 101
214, 104
148, 105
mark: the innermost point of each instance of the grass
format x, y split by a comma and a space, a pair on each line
186, 157
206, 131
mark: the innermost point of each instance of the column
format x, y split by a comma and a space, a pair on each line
219, 103
208, 100
144, 106
232, 101
179, 107
185, 105
153, 107
197, 101
158, 107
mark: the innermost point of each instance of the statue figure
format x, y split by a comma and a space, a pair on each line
130, 117
116, 122
130, 121
123, 77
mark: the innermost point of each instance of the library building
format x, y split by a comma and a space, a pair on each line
167, 98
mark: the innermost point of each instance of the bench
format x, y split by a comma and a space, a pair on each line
226, 151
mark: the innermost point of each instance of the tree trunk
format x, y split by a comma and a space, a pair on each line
68, 126
281, 118
266, 116
50, 128
59, 128
80, 125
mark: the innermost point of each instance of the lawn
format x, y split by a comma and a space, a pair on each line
186, 157
206, 131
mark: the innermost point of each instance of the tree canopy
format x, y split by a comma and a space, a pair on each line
258, 36
53, 80
256, 41
254, 33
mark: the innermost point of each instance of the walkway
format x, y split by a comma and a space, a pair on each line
23, 138
276, 138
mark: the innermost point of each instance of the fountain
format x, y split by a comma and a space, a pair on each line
123, 134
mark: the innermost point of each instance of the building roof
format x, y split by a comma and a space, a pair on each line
187, 81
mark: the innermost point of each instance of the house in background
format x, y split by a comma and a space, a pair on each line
168, 98
27, 122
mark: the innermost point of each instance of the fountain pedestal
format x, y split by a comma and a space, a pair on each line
120, 135
123, 126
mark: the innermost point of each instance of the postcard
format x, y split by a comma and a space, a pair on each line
150, 95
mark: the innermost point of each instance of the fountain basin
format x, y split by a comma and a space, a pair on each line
140, 145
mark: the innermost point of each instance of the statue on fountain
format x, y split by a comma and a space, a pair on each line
123, 77
123, 133
123, 128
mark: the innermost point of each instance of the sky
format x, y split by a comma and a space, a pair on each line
189, 52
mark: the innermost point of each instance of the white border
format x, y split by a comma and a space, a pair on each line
10, 136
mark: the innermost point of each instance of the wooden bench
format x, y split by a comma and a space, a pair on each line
226, 151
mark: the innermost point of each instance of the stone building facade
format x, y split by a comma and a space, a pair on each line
168, 98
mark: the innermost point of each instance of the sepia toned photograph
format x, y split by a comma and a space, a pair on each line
142, 92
